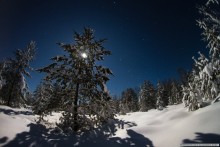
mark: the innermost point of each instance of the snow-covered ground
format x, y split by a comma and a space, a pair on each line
168, 128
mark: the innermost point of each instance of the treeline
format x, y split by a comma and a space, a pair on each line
149, 96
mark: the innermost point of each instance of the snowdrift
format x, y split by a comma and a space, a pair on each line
170, 127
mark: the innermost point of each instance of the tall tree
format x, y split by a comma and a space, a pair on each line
210, 25
15, 87
205, 79
83, 80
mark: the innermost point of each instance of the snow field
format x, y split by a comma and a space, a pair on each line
166, 128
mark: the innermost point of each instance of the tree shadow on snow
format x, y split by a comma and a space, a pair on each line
39, 135
204, 138
12, 112
3, 140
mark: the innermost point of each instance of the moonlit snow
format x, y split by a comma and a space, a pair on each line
170, 127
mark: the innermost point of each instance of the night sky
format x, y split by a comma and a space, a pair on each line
149, 39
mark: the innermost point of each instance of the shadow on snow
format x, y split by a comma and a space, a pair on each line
204, 138
39, 135
12, 112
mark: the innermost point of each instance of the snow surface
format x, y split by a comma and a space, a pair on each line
167, 128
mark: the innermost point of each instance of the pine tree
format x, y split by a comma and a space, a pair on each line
116, 103
2, 81
82, 80
14, 90
143, 97
129, 100
146, 96
167, 92
210, 24
42, 96
159, 95
205, 80
174, 98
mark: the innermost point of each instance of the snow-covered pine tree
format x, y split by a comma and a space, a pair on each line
42, 96
83, 81
210, 25
14, 90
122, 106
205, 83
146, 96
129, 100
159, 96
174, 98
143, 97
2, 81
151, 95
205, 80
167, 87
194, 91
116, 103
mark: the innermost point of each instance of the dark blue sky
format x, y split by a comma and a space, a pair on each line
149, 39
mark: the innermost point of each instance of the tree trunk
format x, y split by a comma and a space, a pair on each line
75, 108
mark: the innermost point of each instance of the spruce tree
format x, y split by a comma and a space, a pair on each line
129, 100
15, 88
204, 83
143, 97
146, 96
210, 25
174, 98
83, 80
2, 81
159, 96
42, 96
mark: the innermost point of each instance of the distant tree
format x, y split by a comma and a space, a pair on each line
83, 81
129, 101
116, 103
147, 96
174, 97
2, 81
30, 98
143, 97
15, 88
159, 96
166, 92
183, 76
